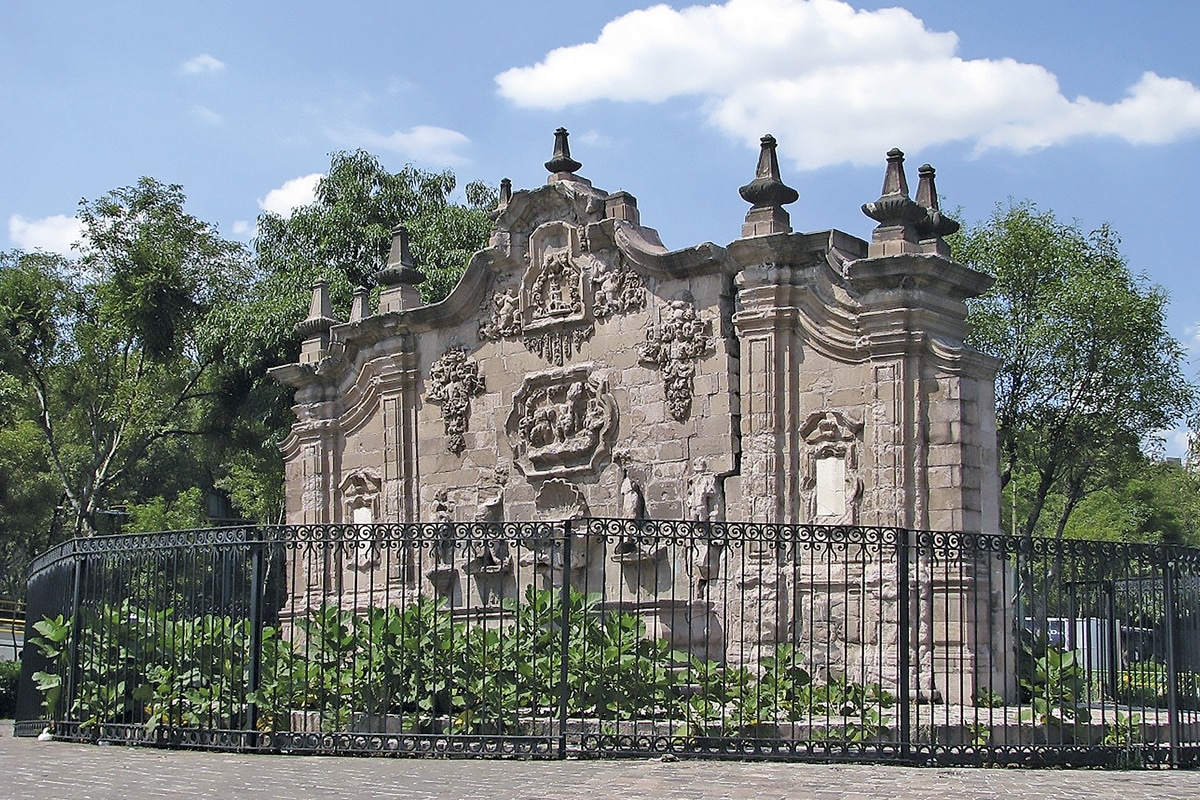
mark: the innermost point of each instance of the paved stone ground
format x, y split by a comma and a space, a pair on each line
32, 770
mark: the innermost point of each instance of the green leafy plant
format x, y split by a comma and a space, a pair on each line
10, 671
1146, 683
1125, 731
980, 733
984, 697
428, 670
53, 641
1057, 688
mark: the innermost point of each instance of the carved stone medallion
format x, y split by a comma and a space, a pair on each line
681, 338
453, 380
562, 422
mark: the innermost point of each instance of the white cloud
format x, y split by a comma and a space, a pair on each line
839, 85
201, 65
241, 227
427, 144
296, 192
592, 138
1192, 340
55, 234
1176, 442
206, 115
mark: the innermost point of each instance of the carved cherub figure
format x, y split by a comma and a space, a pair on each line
508, 309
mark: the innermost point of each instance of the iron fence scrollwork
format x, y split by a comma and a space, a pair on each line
603, 637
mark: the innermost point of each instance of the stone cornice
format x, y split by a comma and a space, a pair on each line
927, 272
642, 248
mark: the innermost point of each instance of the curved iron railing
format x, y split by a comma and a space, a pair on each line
620, 637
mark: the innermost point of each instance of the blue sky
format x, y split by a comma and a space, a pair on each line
1089, 109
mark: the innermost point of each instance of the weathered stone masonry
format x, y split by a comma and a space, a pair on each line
580, 368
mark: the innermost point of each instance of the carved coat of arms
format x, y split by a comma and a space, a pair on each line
562, 422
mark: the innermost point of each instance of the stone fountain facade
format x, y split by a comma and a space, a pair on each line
582, 369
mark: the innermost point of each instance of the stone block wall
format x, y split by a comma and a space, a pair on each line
581, 369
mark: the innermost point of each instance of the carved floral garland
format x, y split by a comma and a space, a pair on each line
680, 340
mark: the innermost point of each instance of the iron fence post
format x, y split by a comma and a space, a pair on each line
1110, 609
903, 638
565, 630
68, 702
1172, 667
255, 537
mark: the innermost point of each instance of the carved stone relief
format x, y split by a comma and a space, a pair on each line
705, 504
562, 422
831, 483
558, 501
556, 293
564, 290
453, 380
492, 556
504, 318
681, 338
633, 548
443, 547
617, 289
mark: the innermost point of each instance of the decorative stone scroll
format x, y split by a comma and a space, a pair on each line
830, 482
682, 338
453, 380
562, 422
557, 346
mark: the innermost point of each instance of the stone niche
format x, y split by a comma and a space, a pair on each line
580, 368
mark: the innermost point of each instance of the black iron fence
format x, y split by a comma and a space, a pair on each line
600, 637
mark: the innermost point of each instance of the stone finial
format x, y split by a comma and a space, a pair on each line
400, 267
314, 329
767, 189
767, 194
935, 224
360, 306
561, 166
320, 312
505, 194
895, 212
400, 277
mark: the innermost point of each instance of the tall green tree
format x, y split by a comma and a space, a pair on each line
111, 349
29, 492
1088, 368
343, 237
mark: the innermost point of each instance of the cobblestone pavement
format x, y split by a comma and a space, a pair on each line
33, 770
